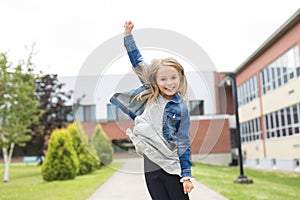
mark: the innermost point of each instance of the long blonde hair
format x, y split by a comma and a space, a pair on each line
148, 75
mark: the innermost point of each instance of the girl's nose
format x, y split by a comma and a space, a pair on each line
169, 82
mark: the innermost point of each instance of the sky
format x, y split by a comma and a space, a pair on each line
66, 32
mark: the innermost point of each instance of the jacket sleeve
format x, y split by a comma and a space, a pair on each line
183, 140
134, 54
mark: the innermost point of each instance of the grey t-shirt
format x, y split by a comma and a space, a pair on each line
147, 136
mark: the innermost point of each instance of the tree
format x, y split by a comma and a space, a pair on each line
18, 106
61, 161
87, 161
102, 145
56, 113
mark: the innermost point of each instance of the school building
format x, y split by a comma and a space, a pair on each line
268, 85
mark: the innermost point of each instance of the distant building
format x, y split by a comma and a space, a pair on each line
269, 101
210, 130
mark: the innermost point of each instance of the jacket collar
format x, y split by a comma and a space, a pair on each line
176, 98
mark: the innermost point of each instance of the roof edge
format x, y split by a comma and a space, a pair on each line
286, 26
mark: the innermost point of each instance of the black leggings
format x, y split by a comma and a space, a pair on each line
161, 185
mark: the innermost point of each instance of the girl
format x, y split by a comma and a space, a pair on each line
162, 122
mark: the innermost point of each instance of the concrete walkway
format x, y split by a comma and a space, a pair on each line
128, 183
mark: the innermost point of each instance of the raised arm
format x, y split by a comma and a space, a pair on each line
133, 52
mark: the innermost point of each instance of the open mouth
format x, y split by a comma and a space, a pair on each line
170, 89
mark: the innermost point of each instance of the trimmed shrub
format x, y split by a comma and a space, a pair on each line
87, 161
61, 161
102, 145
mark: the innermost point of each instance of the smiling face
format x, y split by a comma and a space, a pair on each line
168, 80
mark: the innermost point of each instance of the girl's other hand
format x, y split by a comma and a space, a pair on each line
188, 186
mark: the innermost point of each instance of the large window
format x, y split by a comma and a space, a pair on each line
115, 114
282, 123
281, 70
250, 130
248, 91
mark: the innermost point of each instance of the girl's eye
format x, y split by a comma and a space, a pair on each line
163, 79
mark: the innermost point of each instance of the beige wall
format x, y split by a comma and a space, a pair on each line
249, 111
253, 150
221, 159
287, 148
284, 147
282, 97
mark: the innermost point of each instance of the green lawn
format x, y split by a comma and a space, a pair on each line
267, 184
26, 183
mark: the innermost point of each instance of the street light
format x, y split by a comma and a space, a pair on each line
242, 178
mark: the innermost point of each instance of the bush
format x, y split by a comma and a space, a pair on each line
61, 161
102, 145
87, 161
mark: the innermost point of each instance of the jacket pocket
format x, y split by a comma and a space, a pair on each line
172, 124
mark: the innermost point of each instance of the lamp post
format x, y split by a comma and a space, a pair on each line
242, 178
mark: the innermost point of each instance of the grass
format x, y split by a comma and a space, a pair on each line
268, 185
26, 182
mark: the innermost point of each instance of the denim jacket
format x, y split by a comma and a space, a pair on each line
176, 119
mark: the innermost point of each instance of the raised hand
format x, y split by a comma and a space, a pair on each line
128, 26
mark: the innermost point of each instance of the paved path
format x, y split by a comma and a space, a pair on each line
128, 183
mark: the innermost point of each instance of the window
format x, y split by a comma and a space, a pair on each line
281, 70
296, 163
115, 114
282, 123
257, 161
296, 119
196, 107
248, 90
262, 78
250, 130
266, 122
86, 113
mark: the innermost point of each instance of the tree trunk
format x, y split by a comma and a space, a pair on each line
7, 154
